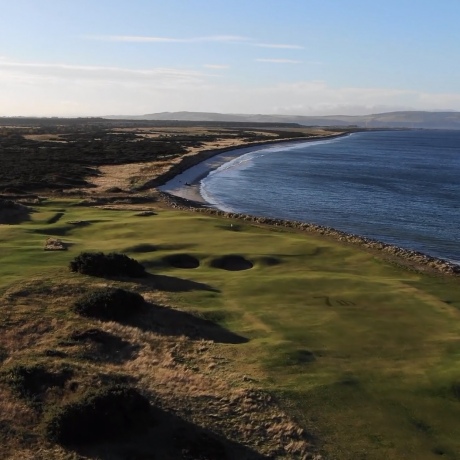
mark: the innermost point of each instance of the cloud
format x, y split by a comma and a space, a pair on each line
211, 38
60, 89
148, 39
280, 61
216, 66
69, 72
279, 46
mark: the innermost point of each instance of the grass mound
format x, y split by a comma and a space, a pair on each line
109, 304
232, 263
103, 415
113, 264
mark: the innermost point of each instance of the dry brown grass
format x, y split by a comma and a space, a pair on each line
128, 175
188, 378
45, 138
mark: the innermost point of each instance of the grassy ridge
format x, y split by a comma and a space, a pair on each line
365, 354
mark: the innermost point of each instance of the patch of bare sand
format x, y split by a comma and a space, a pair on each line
45, 138
131, 175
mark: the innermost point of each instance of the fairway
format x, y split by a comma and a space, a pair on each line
364, 354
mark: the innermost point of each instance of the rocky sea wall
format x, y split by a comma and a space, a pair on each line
407, 257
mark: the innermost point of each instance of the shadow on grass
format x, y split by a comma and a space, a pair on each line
169, 436
174, 284
171, 322
58, 231
102, 346
148, 247
56, 218
12, 213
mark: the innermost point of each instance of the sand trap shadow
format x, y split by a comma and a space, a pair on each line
56, 218
168, 436
269, 261
181, 261
171, 322
173, 284
231, 263
103, 346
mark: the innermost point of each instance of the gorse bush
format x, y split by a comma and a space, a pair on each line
103, 415
110, 304
113, 264
30, 382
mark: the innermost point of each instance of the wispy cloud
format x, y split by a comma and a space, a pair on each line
203, 39
149, 39
216, 66
71, 72
279, 46
279, 61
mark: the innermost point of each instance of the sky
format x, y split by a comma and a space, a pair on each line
288, 57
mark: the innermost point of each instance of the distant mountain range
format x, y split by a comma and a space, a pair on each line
409, 119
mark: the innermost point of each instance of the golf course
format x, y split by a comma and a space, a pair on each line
253, 340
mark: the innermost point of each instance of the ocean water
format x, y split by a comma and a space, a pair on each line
400, 187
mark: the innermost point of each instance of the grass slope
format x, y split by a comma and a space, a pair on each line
365, 354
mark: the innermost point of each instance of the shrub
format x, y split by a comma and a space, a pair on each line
109, 304
103, 415
100, 264
30, 382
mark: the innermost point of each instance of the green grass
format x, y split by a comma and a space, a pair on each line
365, 354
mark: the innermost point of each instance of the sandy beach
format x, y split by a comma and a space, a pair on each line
186, 184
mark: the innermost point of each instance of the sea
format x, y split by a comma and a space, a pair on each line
399, 187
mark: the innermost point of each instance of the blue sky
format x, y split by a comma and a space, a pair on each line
305, 57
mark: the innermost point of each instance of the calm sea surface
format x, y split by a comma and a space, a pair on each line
400, 187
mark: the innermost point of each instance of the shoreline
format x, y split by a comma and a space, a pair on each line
186, 182
407, 257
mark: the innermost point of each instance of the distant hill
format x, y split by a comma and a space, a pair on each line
409, 119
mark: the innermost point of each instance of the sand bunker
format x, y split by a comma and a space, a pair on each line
232, 263
182, 261
54, 244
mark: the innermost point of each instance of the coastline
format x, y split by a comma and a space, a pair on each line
181, 191
185, 181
